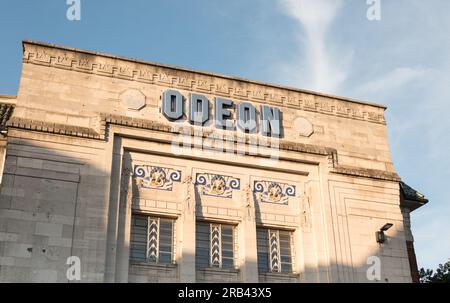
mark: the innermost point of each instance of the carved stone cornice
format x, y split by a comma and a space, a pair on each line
202, 82
83, 132
366, 173
55, 128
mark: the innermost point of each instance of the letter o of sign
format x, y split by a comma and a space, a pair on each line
172, 104
246, 117
198, 109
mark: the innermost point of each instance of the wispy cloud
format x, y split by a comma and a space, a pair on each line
401, 61
392, 80
314, 19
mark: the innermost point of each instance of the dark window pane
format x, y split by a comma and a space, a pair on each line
227, 254
286, 267
165, 257
138, 249
227, 246
140, 222
202, 245
227, 263
165, 240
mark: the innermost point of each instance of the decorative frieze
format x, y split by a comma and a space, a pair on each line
154, 177
217, 185
273, 192
106, 65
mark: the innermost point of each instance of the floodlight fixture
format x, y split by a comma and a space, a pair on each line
380, 236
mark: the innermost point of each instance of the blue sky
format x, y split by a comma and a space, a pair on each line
326, 45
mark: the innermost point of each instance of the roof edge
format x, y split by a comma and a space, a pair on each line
8, 99
411, 198
7, 96
351, 100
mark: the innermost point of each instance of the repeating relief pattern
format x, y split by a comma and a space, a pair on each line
215, 245
154, 177
274, 250
217, 185
153, 232
273, 192
151, 73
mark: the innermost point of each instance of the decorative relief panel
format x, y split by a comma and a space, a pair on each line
273, 192
217, 185
154, 177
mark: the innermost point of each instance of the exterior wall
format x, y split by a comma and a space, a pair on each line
410, 245
69, 190
52, 207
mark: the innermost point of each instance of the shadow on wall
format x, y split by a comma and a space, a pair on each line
55, 204
52, 206
369, 261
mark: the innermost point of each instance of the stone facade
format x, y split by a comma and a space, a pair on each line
87, 135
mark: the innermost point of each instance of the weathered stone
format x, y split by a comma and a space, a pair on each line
303, 127
80, 129
133, 99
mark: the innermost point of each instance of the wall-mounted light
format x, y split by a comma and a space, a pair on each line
381, 238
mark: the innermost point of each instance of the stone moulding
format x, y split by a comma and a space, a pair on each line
6, 111
89, 133
367, 173
55, 128
195, 81
154, 73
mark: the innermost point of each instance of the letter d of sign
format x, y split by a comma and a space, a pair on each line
270, 121
198, 109
172, 104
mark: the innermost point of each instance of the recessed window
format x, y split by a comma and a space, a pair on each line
274, 250
152, 239
215, 245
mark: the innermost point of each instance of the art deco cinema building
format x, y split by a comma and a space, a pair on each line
152, 173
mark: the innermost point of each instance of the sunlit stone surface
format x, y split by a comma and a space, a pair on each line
98, 166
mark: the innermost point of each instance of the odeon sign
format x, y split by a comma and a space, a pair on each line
199, 113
